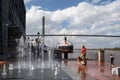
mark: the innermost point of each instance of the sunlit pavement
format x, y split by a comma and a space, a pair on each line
70, 70
94, 70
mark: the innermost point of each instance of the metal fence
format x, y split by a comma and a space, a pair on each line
116, 55
93, 55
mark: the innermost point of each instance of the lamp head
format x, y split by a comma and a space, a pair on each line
38, 33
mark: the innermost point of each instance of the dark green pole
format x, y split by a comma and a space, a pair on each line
43, 26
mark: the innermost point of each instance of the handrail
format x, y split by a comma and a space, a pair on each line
85, 35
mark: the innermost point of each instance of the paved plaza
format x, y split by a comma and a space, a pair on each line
63, 70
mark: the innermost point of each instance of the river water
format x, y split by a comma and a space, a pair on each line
93, 55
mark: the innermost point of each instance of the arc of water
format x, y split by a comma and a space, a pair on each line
10, 66
4, 70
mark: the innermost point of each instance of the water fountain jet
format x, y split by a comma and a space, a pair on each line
4, 70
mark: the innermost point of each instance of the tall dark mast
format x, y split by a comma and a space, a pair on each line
43, 26
43, 29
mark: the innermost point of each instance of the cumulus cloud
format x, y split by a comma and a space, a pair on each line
26, 1
81, 19
99, 2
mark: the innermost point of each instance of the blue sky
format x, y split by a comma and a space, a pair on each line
53, 4
76, 17
62, 4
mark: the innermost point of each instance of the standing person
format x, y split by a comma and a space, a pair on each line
111, 60
83, 54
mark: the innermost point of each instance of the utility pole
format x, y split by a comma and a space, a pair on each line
43, 26
43, 29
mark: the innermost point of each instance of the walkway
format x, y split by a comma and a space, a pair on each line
70, 70
92, 71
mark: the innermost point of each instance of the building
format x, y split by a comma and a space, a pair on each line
12, 24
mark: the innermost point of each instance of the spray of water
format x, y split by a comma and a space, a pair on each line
31, 57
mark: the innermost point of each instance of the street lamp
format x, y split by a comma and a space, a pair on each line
28, 39
38, 41
38, 34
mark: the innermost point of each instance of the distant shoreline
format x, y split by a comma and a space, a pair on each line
114, 49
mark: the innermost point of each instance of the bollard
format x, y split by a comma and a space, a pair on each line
101, 55
116, 71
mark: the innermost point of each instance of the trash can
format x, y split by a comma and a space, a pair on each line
116, 71
101, 55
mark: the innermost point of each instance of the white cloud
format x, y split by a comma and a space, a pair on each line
82, 19
26, 1
95, 1
99, 2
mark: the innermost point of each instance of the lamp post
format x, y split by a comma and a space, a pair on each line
28, 39
38, 41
